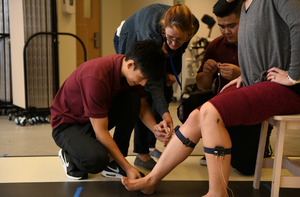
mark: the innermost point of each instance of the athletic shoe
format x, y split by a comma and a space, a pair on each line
155, 153
71, 170
113, 170
203, 161
148, 165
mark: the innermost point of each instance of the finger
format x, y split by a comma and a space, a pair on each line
208, 66
162, 134
165, 125
239, 84
274, 69
271, 77
226, 86
212, 64
171, 128
157, 128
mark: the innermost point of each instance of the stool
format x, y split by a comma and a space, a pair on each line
282, 123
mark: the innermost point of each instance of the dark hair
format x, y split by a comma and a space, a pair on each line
149, 58
223, 8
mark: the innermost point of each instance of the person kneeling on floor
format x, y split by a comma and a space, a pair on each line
101, 94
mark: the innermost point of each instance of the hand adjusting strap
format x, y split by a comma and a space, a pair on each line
186, 141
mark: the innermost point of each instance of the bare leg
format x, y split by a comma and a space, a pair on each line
208, 123
215, 134
173, 155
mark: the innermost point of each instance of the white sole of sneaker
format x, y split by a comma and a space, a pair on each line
65, 166
203, 163
111, 174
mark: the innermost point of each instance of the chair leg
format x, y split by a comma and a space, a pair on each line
260, 154
278, 159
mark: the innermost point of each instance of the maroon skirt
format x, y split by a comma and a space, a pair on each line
254, 104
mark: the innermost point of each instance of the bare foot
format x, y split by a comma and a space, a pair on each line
142, 184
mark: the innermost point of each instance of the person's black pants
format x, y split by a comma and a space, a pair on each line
79, 140
143, 137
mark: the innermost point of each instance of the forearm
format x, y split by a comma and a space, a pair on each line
104, 137
146, 115
114, 151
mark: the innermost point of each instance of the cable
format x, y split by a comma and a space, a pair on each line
223, 178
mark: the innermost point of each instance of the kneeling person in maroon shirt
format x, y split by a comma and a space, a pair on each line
101, 94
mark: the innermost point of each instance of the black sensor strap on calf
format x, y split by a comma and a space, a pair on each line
186, 141
218, 151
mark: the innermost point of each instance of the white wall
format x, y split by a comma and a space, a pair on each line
199, 8
17, 42
67, 44
111, 17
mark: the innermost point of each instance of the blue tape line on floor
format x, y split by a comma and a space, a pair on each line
4, 155
268, 187
78, 192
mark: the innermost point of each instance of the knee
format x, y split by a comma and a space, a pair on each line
193, 118
208, 113
193, 121
96, 162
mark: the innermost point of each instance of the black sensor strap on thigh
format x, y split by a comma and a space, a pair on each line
218, 151
186, 141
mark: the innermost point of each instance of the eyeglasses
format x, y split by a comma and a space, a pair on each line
171, 39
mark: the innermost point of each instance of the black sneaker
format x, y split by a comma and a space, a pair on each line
155, 153
114, 170
147, 165
71, 170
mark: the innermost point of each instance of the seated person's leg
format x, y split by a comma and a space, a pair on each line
174, 153
214, 134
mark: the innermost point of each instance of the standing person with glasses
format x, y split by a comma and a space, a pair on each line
171, 28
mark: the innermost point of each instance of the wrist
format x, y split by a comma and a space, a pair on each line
165, 115
292, 80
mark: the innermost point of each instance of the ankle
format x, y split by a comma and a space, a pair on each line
152, 149
144, 157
